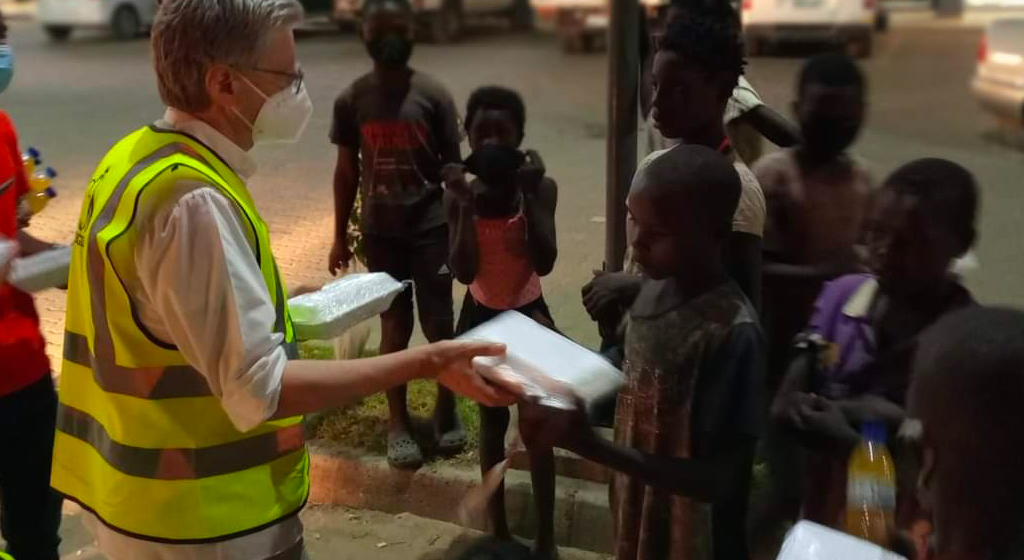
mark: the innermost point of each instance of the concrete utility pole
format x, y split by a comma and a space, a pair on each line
623, 85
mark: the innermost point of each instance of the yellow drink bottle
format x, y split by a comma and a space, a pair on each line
40, 190
871, 487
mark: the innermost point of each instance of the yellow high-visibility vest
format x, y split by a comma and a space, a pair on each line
141, 441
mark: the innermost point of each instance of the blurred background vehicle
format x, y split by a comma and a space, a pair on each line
998, 82
582, 25
442, 21
126, 19
850, 23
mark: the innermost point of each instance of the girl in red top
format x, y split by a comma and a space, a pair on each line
28, 404
502, 228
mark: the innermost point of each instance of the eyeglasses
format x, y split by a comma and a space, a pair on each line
298, 77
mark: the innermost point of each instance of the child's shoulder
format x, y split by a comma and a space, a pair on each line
362, 84
429, 85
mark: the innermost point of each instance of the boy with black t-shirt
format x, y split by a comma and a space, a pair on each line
395, 129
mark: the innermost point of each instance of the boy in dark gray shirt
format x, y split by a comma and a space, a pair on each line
395, 128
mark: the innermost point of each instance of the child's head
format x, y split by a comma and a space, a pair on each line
966, 392
830, 103
389, 31
923, 218
702, 8
681, 205
699, 62
495, 115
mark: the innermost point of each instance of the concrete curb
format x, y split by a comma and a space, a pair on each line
342, 476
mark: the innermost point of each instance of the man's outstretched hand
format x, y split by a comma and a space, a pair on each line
451, 362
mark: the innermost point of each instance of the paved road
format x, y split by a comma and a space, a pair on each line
74, 100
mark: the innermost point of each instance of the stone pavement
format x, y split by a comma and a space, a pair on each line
334, 533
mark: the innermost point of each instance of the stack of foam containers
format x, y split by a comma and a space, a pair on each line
542, 364
342, 304
810, 541
41, 271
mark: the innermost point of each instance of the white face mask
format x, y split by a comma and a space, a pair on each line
283, 116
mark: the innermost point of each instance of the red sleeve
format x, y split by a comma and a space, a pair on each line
9, 137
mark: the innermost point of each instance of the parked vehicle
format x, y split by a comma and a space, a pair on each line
582, 25
998, 83
442, 21
847, 22
126, 19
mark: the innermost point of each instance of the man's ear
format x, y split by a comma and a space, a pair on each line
220, 84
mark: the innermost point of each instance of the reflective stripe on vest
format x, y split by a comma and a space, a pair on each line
155, 430
180, 464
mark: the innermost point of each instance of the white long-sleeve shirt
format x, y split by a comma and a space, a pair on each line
199, 287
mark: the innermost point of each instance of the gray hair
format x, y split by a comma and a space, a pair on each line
191, 35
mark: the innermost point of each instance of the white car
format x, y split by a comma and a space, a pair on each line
442, 20
998, 84
582, 25
126, 19
848, 22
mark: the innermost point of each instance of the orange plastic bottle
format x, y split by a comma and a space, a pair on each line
871, 487
41, 190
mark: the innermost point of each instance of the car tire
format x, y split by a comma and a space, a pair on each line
445, 25
755, 46
882, 21
126, 24
521, 16
58, 33
862, 46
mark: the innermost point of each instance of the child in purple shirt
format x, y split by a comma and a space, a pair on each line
859, 346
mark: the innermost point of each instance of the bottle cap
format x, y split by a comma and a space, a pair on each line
51, 172
33, 153
51, 192
874, 431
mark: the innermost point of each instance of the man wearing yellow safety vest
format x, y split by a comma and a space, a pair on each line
180, 429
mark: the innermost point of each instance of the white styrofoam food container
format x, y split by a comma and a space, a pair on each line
342, 304
41, 271
542, 363
8, 250
810, 541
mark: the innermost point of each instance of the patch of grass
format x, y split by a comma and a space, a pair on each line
363, 425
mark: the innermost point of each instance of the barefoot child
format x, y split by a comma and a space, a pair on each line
818, 199
693, 407
503, 241
865, 329
395, 129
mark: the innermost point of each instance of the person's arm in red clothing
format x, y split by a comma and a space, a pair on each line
29, 244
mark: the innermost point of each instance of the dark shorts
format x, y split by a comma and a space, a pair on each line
30, 511
474, 314
423, 259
